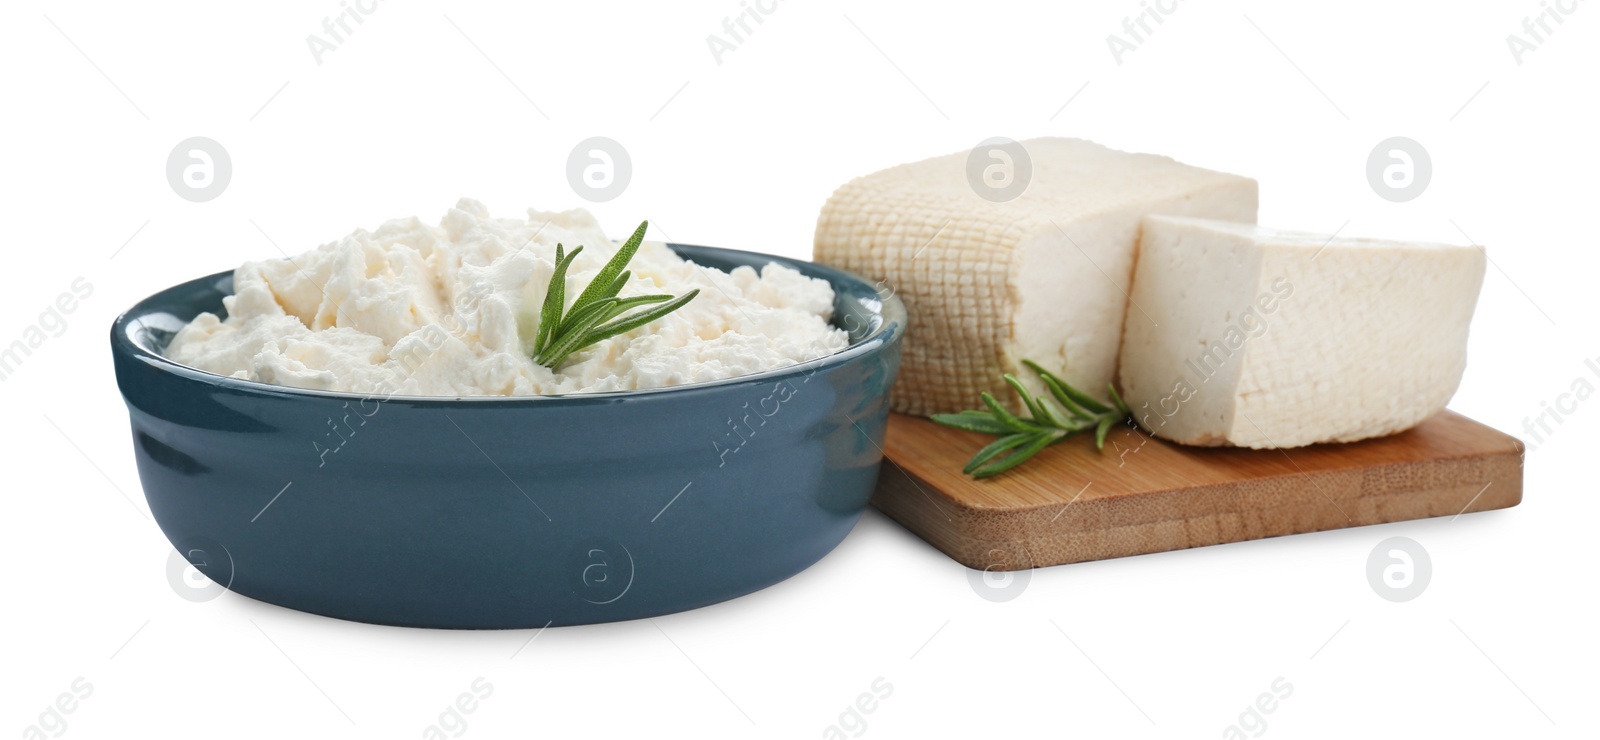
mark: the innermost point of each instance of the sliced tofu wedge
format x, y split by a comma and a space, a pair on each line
1263, 338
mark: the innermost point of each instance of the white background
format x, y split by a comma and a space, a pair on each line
425, 103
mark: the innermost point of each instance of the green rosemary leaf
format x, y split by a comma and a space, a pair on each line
1005, 417
616, 285
998, 446
550, 314
1106, 423
1020, 439
1117, 399
586, 320
610, 307
573, 340
1061, 396
1057, 419
1027, 398
981, 423
1072, 395
634, 321
1017, 456
583, 314
618, 306
601, 284
632, 302
1083, 399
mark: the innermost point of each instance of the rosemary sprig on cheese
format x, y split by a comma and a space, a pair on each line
597, 313
1021, 438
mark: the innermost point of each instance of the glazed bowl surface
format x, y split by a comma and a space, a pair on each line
509, 512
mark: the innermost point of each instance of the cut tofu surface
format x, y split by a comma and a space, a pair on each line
1264, 338
1042, 277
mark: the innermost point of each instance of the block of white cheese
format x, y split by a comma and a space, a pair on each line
988, 282
1262, 338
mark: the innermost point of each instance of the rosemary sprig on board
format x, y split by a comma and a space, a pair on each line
1021, 438
597, 314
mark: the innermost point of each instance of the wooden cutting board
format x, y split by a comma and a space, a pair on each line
1072, 503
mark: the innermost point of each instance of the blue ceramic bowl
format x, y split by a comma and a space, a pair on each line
495, 512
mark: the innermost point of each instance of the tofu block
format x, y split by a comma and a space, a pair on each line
1262, 338
1042, 276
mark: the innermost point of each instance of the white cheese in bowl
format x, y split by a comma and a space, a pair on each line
452, 310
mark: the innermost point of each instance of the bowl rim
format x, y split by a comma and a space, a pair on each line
890, 329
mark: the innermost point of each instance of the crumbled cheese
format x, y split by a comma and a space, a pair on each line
451, 310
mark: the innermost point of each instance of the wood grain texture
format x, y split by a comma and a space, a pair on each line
1072, 503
